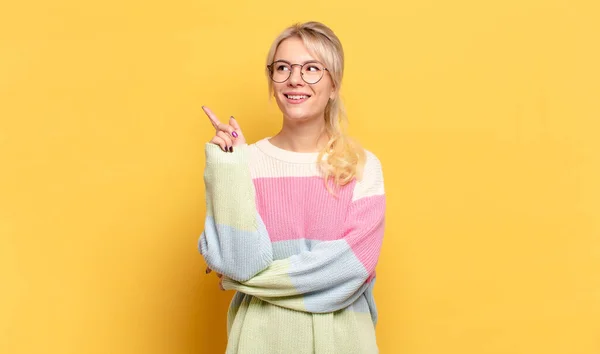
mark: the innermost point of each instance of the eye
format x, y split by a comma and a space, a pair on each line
282, 67
313, 68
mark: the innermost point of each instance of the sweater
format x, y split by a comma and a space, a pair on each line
302, 261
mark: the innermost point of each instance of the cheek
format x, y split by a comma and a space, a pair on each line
277, 93
323, 94
326, 89
322, 99
277, 87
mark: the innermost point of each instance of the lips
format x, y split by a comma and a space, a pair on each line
296, 96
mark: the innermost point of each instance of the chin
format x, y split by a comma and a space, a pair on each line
298, 116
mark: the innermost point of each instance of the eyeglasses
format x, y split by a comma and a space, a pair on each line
311, 72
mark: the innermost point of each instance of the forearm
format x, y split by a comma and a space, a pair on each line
333, 273
235, 241
328, 278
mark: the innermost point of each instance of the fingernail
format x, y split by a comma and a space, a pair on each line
233, 117
231, 149
235, 135
207, 270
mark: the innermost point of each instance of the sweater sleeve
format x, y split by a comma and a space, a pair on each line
235, 241
333, 274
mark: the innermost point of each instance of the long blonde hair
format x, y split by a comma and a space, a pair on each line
342, 159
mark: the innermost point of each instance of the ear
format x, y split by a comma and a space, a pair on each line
333, 93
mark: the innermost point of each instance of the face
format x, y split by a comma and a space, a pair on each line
298, 100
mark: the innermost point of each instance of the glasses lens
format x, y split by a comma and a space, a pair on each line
312, 72
280, 71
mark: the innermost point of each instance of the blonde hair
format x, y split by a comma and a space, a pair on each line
342, 159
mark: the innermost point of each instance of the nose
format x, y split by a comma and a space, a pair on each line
296, 77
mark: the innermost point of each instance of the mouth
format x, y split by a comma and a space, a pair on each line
296, 98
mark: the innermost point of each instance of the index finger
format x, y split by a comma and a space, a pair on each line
213, 118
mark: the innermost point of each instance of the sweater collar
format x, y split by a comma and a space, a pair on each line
286, 155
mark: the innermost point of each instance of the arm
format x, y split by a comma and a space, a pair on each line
234, 242
334, 273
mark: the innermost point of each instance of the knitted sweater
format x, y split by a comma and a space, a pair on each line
301, 260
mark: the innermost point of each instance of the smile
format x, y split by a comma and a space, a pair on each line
296, 98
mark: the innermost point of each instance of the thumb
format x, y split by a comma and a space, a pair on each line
240, 139
235, 124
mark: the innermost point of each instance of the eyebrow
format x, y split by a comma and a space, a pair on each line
289, 62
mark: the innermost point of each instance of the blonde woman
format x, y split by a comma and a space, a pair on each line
295, 222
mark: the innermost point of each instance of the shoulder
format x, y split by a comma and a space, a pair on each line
371, 183
372, 162
256, 154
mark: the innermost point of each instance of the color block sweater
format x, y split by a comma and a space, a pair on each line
302, 262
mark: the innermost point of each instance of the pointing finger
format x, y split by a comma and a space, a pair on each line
213, 118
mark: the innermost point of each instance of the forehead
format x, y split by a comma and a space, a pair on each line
293, 50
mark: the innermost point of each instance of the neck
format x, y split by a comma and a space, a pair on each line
301, 136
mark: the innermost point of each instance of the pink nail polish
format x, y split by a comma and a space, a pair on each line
235, 135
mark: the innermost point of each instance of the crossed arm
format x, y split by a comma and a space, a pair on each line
235, 242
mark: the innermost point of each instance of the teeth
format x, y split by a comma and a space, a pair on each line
297, 97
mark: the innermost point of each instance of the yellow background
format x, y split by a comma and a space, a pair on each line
484, 115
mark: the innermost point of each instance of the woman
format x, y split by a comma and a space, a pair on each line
295, 222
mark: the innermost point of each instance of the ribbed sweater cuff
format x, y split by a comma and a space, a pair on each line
214, 154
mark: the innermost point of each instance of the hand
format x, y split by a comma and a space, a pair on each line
227, 135
208, 270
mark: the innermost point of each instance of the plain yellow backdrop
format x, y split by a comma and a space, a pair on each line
484, 115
